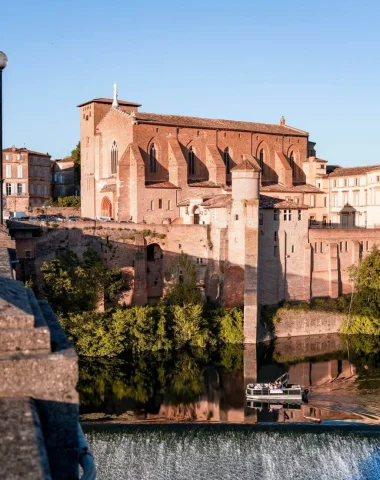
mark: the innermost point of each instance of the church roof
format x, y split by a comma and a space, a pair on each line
213, 123
246, 165
108, 101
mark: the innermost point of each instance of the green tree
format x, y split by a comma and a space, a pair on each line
75, 285
190, 327
96, 334
364, 312
231, 326
75, 155
185, 292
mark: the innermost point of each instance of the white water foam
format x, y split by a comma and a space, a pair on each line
240, 455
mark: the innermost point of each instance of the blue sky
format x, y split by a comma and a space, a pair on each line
315, 62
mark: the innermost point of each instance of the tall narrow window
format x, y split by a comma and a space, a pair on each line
19, 189
226, 158
292, 163
153, 159
114, 155
261, 160
9, 190
191, 161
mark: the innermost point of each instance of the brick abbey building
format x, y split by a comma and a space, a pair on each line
238, 198
140, 166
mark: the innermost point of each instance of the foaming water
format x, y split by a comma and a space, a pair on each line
192, 454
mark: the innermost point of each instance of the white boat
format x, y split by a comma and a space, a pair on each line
280, 389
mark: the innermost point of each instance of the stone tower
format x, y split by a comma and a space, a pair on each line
243, 237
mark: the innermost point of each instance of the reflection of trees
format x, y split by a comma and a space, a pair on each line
364, 353
178, 375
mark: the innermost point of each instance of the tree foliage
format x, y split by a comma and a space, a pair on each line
96, 334
185, 291
71, 201
74, 285
75, 155
364, 315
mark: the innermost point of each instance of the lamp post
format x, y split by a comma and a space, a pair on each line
3, 64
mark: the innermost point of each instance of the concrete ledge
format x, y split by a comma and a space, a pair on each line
19, 450
15, 309
17, 341
49, 377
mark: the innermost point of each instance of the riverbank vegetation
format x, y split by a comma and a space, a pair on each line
76, 286
361, 308
364, 313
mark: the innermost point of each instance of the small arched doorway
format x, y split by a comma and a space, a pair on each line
196, 214
106, 208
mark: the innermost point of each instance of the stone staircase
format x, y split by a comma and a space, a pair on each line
38, 376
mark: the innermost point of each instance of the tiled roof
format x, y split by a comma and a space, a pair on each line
184, 203
182, 121
304, 188
108, 188
346, 172
218, 201
26, 150
160, 185
272, 202
246, 165
203, 183
64, 160
108, 101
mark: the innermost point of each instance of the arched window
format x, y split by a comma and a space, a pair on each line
153, 159
261, 160
114, 155
226, 159
292, 162
191, 161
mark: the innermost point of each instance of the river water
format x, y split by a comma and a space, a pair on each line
184, 415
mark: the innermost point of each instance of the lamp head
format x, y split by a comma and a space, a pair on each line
3, 60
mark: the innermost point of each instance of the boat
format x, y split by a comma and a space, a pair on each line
280, 389
273, 405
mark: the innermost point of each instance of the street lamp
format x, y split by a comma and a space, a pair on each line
3, 64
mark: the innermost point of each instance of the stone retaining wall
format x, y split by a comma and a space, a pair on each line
294, 323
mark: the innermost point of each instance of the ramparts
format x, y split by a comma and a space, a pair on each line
38, 376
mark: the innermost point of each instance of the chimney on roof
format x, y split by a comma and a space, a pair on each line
282, 120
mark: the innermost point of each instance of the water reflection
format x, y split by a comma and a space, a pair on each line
342, 373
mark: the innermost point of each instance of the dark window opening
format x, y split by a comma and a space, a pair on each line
114, 155
191, 162
226, 158
261, 160
153, 159
150, 253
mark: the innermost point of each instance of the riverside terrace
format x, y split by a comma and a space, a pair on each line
41, 436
